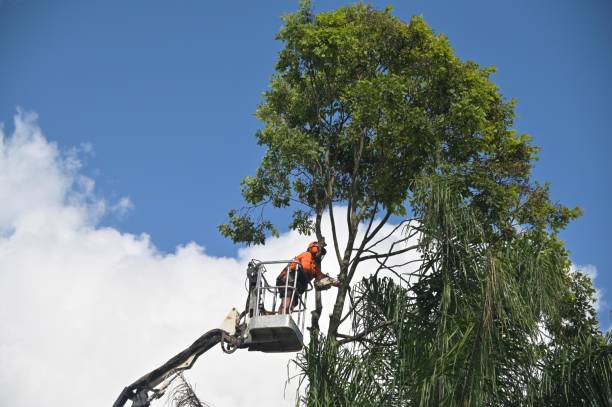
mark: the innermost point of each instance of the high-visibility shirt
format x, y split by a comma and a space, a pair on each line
309, 265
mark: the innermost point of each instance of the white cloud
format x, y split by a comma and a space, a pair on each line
86, 310
123, 206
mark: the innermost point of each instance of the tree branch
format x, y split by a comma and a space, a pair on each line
395, 253
362, 334
334, 234
382, 223
389, 234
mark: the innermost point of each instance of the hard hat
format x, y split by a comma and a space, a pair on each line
316, 247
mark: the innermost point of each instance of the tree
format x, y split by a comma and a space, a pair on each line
379, 116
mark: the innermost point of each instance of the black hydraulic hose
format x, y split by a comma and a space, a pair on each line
153, 378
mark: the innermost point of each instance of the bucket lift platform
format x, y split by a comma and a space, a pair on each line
274, 333
269, 331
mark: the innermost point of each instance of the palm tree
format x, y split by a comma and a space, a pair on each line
476, 325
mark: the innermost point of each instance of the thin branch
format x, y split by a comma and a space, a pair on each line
364, 241
334, 234
389, 234
353, 306
362, 334
382, 223
383, 266
374, 211
395, 253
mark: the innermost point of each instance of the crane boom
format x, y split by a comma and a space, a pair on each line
138, 391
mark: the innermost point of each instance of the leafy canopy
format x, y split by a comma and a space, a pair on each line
360, 105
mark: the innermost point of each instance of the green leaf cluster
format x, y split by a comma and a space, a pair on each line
362, 104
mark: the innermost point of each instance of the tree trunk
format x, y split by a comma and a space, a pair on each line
334, 318
345, 282
316, 314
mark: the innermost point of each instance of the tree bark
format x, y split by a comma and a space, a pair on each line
334, 318
345, 281
316, 313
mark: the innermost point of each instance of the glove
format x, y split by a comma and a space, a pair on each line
326, 282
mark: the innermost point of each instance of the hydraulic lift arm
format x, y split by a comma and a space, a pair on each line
138, 391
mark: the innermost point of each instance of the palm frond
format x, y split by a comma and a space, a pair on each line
468, 331
183, 395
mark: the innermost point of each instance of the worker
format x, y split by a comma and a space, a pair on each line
307, 266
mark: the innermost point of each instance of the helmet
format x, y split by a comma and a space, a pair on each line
316, 248
313, 247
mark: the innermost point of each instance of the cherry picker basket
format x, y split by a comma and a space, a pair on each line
268, 330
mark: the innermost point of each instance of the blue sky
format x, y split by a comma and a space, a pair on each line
165, 92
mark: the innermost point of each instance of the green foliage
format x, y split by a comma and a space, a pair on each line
243, 229
480, 323
578, 374
361, 104
302, 223
575, 315
337, 377
380, 116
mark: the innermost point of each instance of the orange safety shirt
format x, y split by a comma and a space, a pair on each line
309, 265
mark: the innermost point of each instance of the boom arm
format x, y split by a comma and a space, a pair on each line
138, 391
